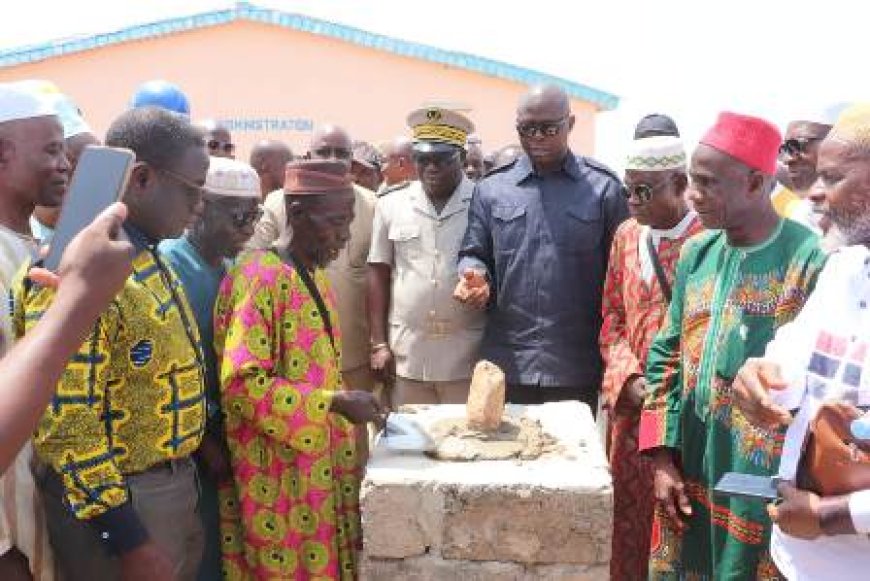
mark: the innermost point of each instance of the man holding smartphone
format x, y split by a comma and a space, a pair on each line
117, 478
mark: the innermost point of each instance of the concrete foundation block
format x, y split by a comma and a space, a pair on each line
512, 520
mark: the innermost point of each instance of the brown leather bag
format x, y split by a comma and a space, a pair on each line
833, 462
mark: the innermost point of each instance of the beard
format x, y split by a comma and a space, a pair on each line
832, 240
852, 227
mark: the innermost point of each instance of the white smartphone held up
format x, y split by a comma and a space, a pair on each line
99, 181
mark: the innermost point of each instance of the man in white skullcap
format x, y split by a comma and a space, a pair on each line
33, 170
820, 360
77, 135
199, 258
636, 296
798, 156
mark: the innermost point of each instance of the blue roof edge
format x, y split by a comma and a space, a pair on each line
247, 11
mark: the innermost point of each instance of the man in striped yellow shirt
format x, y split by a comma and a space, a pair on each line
117, 479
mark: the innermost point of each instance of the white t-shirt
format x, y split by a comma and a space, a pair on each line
824, 354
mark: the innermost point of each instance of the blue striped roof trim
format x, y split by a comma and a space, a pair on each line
249, 12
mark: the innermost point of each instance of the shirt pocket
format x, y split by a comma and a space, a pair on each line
509, 227
581, 229
407, 240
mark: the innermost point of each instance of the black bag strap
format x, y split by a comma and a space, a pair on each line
657, 266
305, 275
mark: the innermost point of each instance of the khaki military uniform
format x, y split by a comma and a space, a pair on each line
347, 273
433, 337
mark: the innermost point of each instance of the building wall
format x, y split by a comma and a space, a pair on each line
275, 82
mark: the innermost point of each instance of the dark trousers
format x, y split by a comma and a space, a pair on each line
538, 394
165, 499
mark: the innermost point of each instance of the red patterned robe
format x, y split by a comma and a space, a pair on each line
633, 310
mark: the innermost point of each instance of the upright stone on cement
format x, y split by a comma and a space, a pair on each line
546, 519
485, 406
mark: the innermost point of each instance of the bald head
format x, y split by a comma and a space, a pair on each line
330, 142
270, 157
218, 139
551, 100
398, 165
544, 122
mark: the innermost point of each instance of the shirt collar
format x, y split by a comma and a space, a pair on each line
570, 167
222, 268
139, 239
677, 231
458, 200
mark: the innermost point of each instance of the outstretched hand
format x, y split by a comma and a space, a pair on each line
472, 289
752, 387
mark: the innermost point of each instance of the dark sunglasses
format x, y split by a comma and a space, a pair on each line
239, 217
796, 146
542, 128
226, 147
329, 152
243, 218
439, 159
643, 192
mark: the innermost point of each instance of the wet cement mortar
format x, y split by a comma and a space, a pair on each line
516, 438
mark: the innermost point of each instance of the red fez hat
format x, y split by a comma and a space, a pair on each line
751, 140
311, 177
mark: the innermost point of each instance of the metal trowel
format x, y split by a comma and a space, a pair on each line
402, 433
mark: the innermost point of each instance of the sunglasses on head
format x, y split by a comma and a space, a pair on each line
542, 128
438, 159
329, 152
796, 146
643, 192
225, 146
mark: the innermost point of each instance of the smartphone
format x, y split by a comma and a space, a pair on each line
747, 486
100, 179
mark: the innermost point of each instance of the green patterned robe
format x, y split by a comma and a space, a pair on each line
727, 303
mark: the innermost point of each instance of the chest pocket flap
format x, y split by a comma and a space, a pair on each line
582, 229
585, 213
404, 232
507, 213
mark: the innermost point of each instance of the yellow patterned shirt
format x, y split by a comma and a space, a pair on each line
132, 397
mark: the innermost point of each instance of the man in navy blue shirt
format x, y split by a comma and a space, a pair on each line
535, 254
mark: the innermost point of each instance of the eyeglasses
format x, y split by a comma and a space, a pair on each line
216, 146
796, 146
329, 152
194, 191
643, 192
243, 218
542, 128
439, 159
240, 217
